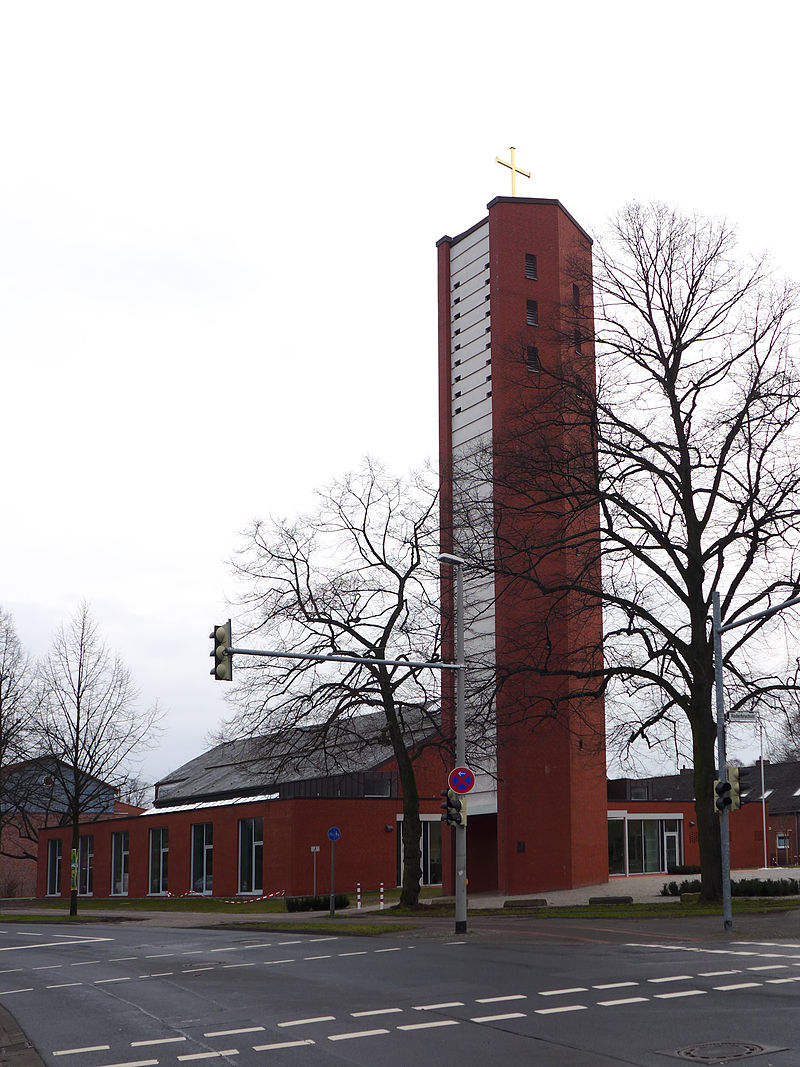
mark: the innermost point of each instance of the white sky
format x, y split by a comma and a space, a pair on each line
217, 256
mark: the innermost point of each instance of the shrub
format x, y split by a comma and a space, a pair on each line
321, 902
683, 868
744, 887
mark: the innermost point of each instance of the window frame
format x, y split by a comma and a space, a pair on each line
55, 857
203, 857
159, 850
255, 853
120, 851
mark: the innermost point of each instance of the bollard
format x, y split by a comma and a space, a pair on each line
358, 894
381, 896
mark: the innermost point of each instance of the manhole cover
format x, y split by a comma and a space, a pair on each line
722, 1051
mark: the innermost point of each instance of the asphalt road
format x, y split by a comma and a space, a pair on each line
134, 996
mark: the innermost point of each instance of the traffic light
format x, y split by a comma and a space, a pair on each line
454, 809
223, 659
723, 791
738, 780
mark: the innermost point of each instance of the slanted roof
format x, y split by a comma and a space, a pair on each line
781, 786
259, 765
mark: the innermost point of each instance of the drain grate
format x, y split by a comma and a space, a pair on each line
722, 1051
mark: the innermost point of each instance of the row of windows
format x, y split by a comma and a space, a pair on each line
251, 857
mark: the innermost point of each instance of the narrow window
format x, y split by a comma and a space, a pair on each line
54, 867
86, 865
532, 312
202, 857
532, 359
576, 340
251, 855
530, 266
576, 297
579, 389
120, 853
159, 860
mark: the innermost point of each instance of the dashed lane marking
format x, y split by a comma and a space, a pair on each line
304, 1022
622, 1000
377, 950
429, 1026
561, 992
133, 1063
498, 1018
63, 985
737, 985
672, 978
268, 962
770, 967
76, 1051
355, 1034
563, 1008
157, 1041
681, 993
497, 1000
316, 957
8, 992
615, 985
231, 1033
438, 1007
233, 966
105, 981
716, 974
208, 1055
353, 953
376, 1011
282, 1044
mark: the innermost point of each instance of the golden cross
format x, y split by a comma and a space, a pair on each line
515, 170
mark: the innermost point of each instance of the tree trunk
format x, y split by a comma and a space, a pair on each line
708, 837
412, 826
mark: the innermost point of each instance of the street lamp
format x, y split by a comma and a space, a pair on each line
458, 564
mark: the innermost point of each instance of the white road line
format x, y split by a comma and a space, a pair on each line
498, 1018
672, 978
290, 942
75, 1051
376, 1011
227, 948
12, 970
766, 944
770, 967
277, 961
497, 1000
282, 1044
105, 981
622, 1000
63, 985
388, 950
230, 1033
197, 970
316, 957
208, 1055
303, 1022
157, 1041
123, 959
48, 967
357, 1033
738, 985
455, 942
557, 1011
559, 992
615, 985
230, 966
428, 1026
436, 1007
6, 992
86, 963
311, 940
716, 974
133, 1063
352, 953
158, 974
55, 944
682, 993
159, 955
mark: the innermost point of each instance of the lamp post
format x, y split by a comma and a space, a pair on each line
458, 564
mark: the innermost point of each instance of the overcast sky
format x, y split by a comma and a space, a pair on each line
217, 257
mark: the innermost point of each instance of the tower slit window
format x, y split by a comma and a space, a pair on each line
532, 312
530, 266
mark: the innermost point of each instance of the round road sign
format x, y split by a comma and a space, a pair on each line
334, 833
461, 780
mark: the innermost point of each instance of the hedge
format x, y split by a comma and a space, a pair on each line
744, 887
321, 902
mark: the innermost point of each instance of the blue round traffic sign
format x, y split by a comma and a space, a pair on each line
461, 780
334, 833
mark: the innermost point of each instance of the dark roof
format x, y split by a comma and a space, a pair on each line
781, 786
258, 765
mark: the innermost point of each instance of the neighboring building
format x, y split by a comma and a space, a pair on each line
514, 324
32, 796
243, 819
652, 824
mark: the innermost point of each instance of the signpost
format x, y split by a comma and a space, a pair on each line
333, 836
461, 780
314, 851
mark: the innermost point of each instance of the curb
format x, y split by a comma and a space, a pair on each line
15, 1049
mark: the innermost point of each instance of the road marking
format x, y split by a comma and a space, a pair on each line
436, 1007
311, 940
123, 959
63, 985
428, 1026
316, 957
498, 1018
230, 966
159, 955
623, 1000
388, 950
565, 1007
357, 1033
157, 1041
105, 981
614, 985
455, 942
75, 1051
208, 1055
497, 1000
559, 992
352, 953
48, 967
716, 974
781, 981
738, 985
290, 942
133, 1063
57, 944
230, 1033
12, 970
770, 967
303, 1022
197, 970
672, 978
282, 1044
277, 961
682, 993
6, 992
377, 1011
86, 963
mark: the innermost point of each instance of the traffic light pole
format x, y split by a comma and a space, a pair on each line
460, 724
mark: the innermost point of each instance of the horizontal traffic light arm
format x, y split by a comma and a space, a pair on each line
436, 665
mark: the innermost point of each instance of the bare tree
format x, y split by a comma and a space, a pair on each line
358, 576
88, 721
16, 703
677, 476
